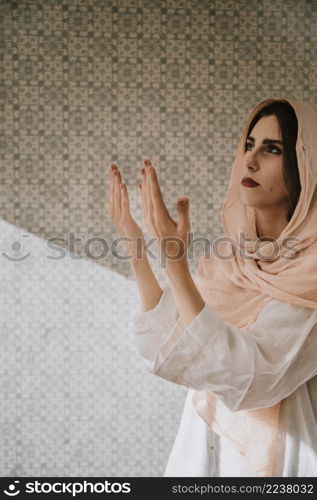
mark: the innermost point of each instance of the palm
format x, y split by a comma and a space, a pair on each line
119, 208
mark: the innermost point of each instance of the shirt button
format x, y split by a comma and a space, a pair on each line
212, 448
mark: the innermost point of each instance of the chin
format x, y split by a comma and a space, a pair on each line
250, 201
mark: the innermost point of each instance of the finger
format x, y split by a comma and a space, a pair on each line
183, 212
125, 204
149, 214
117, 194
111, 189
143, 195
113, 169
155, 190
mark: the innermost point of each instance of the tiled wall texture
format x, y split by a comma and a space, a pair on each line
85, 83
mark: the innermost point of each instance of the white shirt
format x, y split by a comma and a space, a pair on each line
278, 355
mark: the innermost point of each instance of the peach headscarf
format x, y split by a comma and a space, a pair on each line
238, 288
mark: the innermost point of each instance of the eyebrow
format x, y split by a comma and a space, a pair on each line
266, 141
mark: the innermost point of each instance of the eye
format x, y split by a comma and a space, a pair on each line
271, 148
276, 149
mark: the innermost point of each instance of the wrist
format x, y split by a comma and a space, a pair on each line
138, 261
177, 269
137, 251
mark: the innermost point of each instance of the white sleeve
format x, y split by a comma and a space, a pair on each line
245, 369
151, 328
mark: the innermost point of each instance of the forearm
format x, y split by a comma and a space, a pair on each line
186, 295
149, 288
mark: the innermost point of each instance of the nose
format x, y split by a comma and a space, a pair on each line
252, 167
251, 161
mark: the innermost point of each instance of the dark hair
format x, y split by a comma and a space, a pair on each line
287, 120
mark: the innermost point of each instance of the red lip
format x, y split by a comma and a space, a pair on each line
246, 181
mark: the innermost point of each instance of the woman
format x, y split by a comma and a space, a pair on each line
242, 335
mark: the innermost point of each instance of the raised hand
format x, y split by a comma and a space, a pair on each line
172, 236
119, 211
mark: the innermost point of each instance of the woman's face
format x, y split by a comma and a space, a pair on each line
262, 161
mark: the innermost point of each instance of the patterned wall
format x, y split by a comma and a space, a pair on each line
85, 83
